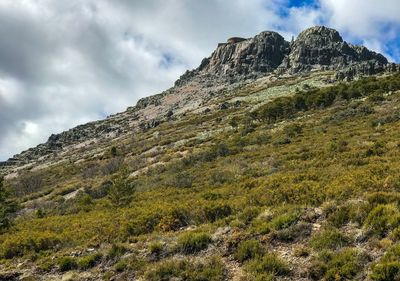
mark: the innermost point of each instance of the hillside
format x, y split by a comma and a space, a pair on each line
272, 160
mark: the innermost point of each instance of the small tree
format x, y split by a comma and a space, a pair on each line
122, 189
6, 207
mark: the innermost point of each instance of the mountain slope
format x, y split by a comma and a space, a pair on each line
286, 173
232, 64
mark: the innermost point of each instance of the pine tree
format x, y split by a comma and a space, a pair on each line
6, 207
122, 189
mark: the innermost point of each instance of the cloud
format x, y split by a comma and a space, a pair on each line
63, 63
369, 22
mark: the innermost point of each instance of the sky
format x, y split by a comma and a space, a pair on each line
68, 62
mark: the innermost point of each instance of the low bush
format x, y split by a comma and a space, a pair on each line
156, 248
193, 242
249, 249
36, 242
386, 271
121, 265
89, 261
67, 263
331, 239
266, 267
382, 219
213, 213
292, 233
211, 270
342, 265
388, 268
116, 251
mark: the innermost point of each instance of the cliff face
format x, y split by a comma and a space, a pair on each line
316, 48
260, 54
322, 48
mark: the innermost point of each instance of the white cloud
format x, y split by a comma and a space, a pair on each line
376, 23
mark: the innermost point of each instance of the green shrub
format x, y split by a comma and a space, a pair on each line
248, 214
249, 249
292, 233
122, 189
211, 270
264, 268
382, 219
121, 265
116, 251
386, 271
215, 212
143, 224
329, 239
67, 263
175, 219
383, 198
344, 265
36, 242
293, 130
7, 207
89, 261
156, 248
284, 220
339, 216
193, 242
388, 267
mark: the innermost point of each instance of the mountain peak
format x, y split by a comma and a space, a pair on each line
316, 48
320, 34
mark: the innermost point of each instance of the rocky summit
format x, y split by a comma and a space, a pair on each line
272, 160
317, 48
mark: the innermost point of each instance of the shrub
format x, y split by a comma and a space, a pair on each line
116, 251
67, 263
7, 208
339, 216
89, 261
211, 270
182, 180
112, 165
29, 183
156, 248
382, 219
216, 212
122, 190
121, 265
383, 198
249, 249
344, 265
267, 266
248, 214
329, 239
36, 242
293, 232
176, 219
293, 130
386, 271
192, 242
143, 224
